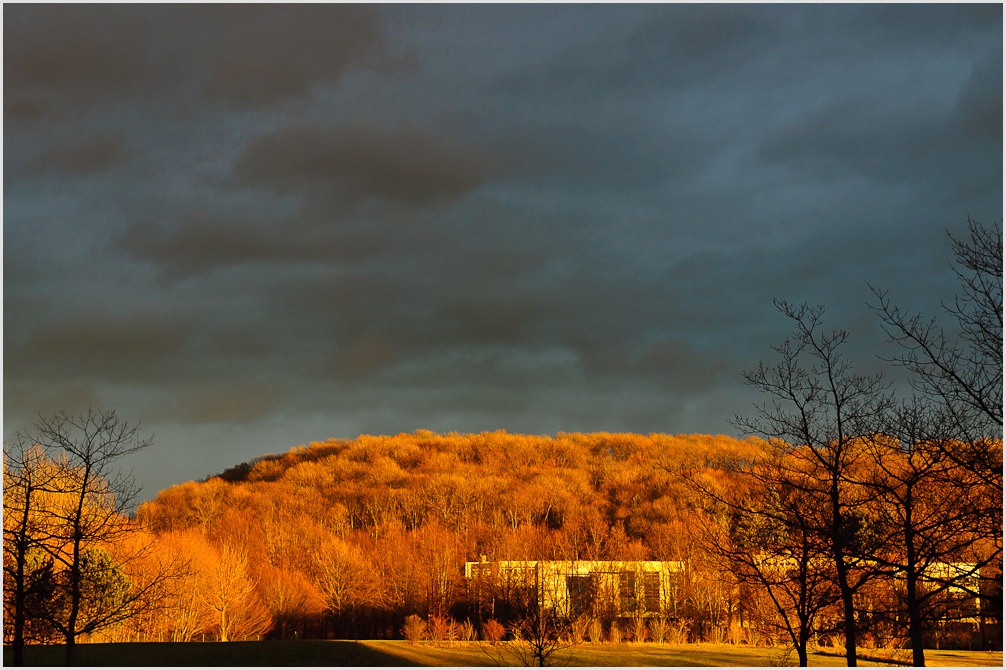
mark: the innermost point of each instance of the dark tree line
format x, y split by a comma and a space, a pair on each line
884, 486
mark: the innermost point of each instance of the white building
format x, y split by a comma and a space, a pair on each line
614, 588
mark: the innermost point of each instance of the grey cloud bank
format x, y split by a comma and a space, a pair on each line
253, 226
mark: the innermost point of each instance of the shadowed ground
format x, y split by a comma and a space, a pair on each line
400, 653
265, 653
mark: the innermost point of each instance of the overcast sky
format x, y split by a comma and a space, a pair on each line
253, 227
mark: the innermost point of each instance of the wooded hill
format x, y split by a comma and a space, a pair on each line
597, 495
367, 531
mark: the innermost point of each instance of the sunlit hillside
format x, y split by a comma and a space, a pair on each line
384, 525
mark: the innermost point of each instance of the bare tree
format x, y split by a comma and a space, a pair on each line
926, 511
345, 577
94, 498
27, 476
763, 528
963, 374
541, 624
230, 593
819, 410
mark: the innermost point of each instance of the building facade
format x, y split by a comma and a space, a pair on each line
607, 589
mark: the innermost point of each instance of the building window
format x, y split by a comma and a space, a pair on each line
626, 592
651, 592
582, 591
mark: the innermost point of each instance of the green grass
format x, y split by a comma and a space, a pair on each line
400, 653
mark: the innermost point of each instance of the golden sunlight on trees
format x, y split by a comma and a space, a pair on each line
764, 531
28, 475
852, 517
373, 537
185, 612
289, 595
359, 553
68, 507
345, 576
228, 590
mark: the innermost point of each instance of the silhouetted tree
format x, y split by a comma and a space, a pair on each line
27, 476
819, 410
962, 374
763, 528
540, 626
92, 500
926, 511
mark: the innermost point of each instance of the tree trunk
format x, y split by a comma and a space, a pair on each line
915, 631
71, 623
19, 614
842, 570
20, 579
18, 642
914, 618
850, 619
71, 648
912, 581
223, 626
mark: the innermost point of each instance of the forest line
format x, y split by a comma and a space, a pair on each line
349, 538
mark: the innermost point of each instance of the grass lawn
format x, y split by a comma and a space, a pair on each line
400, 653
688, 655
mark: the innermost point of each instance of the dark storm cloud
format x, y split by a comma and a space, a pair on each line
980, 104
255, 226
262, 54
64, 58
92, 155
670, 47
202, 241
849, 137
689, 44
406, 165
219, 402
57, 54
904, 143
385, 324
97, 345
353, 185
889, 26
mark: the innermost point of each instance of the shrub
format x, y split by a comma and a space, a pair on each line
579, 629
595, 630
466, 630
440, 628
493, 631
639, 629
615, 633
414, 629
658, 630
677, 633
